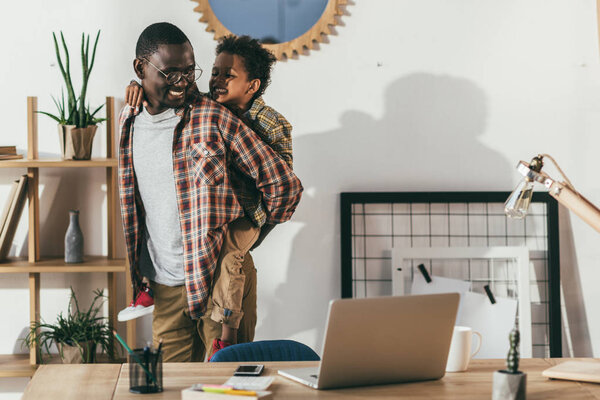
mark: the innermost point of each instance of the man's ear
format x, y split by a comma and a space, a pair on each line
254, 86
138, 67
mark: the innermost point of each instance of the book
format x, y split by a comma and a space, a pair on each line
585, 371
9, 202
12, 218
10, 156
190, 394
8, 149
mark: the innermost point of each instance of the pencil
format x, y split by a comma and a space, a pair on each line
134, 356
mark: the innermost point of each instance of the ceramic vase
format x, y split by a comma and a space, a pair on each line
74, 239
76, 143
509, 386
83, 354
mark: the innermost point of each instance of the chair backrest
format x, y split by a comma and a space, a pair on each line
266, 350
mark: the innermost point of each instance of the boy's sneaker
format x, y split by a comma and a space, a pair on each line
217, 345
142, 305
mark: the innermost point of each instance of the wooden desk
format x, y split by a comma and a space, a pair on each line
111, 381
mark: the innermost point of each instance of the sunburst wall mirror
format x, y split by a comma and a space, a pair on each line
286, 27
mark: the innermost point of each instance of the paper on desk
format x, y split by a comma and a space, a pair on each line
493, 321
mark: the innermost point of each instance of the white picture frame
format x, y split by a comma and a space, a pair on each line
520, 254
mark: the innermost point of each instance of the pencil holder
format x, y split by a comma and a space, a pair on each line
145, 371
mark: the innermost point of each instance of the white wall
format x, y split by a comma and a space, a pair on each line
407, 95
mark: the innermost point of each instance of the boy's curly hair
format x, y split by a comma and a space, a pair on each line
257, 60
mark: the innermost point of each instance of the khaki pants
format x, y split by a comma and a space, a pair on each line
185, 339
229, 279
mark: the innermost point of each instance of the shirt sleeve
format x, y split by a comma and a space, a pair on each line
277, 132
280, 187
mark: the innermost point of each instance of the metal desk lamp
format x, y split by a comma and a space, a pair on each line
518, 202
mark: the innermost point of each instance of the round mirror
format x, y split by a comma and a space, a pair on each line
270, 21
283, 26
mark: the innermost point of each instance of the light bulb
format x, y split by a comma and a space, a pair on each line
518, 202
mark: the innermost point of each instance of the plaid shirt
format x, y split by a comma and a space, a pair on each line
275, 131
212, 150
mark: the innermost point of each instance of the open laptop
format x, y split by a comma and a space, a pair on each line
383, 340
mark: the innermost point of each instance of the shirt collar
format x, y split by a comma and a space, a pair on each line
257, 105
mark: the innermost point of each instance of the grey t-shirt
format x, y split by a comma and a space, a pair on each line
161, 259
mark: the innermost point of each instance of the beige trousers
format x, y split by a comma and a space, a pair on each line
229, 279
185, 339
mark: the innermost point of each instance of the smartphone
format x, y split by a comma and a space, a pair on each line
249, 370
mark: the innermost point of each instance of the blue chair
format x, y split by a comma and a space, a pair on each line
266, 350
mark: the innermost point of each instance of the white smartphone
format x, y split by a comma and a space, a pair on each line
249, 370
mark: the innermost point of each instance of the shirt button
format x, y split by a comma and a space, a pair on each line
206, 152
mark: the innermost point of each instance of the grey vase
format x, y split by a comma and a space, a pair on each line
74, 239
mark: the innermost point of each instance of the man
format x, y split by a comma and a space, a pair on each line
179, 163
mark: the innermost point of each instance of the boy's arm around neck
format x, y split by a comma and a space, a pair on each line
280, 187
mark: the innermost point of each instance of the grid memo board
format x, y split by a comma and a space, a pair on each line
372, 223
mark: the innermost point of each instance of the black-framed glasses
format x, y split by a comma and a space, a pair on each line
175, 76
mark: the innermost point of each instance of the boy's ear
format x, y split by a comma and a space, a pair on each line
138, 67
254, 86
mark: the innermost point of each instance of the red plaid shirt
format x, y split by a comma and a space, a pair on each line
210, 147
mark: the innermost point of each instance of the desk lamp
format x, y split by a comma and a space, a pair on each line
518, 202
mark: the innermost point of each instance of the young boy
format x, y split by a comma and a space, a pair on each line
240, 75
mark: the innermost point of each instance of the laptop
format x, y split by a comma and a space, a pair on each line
383, 340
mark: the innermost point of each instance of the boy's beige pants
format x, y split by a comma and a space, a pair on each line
232, 302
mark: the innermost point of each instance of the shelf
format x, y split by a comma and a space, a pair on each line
90, 264
59, 163
16, 366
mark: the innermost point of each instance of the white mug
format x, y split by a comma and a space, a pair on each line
460, 349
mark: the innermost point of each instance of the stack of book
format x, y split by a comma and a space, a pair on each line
9, 219
9, 153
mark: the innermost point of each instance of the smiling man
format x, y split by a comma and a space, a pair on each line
179, 162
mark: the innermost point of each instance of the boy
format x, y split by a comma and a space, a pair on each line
240, 75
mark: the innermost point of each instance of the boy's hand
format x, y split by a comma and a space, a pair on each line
134, 95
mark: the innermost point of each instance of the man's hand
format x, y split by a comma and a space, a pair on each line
134, 95
264, 231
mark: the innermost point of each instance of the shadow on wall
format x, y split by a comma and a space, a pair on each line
426, 140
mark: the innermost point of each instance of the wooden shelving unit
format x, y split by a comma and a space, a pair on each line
15, 365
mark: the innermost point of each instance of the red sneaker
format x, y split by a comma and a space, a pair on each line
142, 305
217, 345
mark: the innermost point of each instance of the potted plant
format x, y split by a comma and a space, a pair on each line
77, 334
76, 124
510, 384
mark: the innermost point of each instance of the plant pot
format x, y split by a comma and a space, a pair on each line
82, 354
76, 143
509, 386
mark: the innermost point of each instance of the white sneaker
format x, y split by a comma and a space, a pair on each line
142, 305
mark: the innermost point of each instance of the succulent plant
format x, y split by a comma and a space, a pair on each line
512, 360
75, 112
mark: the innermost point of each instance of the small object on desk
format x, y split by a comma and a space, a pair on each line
221, 392
510, 384
584, 371
249, 370
250, 382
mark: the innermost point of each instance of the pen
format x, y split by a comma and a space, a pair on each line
134, 356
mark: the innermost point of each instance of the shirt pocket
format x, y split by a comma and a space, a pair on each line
208, 162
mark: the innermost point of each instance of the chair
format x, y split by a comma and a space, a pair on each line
266, 350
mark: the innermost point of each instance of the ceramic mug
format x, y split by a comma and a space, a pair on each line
460, 349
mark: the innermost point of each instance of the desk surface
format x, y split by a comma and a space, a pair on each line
111, 381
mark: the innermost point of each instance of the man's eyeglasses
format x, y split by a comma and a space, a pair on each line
175, 76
